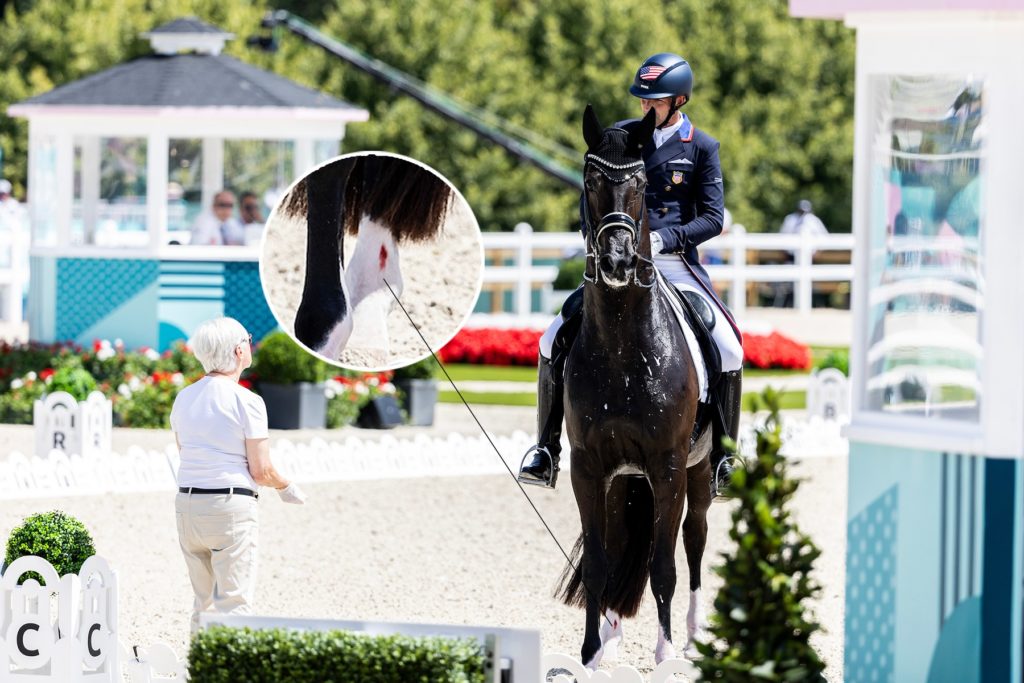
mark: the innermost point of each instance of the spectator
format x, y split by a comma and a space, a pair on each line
219, 226
250, 210
803, 220
11, 210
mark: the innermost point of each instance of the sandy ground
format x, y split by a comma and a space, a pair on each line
442, 281
465, 550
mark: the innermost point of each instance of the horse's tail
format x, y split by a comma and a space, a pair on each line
629, 543
411, 201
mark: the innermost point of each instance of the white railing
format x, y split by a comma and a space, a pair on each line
523, 245
14, 247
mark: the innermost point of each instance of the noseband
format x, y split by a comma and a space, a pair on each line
616, 173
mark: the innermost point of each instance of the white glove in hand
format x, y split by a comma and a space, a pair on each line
292, 494
656, 243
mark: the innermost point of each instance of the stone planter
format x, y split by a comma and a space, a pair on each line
301, 405
418, 399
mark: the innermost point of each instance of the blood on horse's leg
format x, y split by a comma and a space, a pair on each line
374, 260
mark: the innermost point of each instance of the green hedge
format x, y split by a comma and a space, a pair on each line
55, 536
221, 654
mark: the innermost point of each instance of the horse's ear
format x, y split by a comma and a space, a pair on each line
641, 133
593, 132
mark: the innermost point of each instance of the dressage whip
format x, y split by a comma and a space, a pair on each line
490, 441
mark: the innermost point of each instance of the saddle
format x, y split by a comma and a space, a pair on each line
698, 314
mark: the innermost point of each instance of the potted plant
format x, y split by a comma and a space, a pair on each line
291, 382
418, 390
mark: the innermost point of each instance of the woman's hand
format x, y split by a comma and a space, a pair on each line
292, 494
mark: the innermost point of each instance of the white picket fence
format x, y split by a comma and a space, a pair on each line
523, 245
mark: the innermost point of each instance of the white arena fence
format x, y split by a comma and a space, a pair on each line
347, 459
522, 246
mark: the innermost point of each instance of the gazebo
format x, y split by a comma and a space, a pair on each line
122, 161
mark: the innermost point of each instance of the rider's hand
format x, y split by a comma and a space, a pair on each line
292, 494
656, 243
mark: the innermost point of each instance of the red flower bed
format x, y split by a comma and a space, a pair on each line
492, 346
775, 351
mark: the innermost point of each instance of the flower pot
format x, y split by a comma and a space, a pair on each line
301, 405
418, 399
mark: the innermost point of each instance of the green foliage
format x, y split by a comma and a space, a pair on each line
58, 538
220, 654
776, 91
421, 369
279, 360
570, 273
149, 406
75, 381
838, 359
18, 401
760, 627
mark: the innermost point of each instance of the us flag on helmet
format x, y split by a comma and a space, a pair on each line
650, 73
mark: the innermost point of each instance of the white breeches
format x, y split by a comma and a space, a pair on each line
677, 274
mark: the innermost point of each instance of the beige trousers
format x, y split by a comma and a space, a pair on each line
218, 536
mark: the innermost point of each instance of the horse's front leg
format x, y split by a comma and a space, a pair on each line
695, 536
590, 497
669, 500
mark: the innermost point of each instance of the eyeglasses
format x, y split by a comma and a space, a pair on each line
225, 205
250, 207
247, 338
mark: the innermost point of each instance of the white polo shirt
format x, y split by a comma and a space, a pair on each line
212, 418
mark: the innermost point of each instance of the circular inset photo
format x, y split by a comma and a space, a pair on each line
361, 245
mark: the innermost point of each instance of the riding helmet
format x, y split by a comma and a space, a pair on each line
663, 75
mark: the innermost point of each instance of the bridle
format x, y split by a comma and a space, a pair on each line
617, 173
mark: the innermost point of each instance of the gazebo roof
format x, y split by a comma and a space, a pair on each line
186, 73
186, 80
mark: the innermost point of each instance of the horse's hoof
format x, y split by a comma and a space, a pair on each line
665, 650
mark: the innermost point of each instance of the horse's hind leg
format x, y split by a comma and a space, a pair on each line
695, 536
611, 634
669, 500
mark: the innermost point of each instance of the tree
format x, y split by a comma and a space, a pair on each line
760, 626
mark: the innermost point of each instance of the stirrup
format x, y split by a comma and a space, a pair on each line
718, 494
549, 483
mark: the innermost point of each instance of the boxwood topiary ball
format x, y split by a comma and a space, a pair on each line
58, 538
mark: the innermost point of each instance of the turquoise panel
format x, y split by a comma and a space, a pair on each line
956, 655
134, 322
88, 290
244, 300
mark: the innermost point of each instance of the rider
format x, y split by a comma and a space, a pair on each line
685, 207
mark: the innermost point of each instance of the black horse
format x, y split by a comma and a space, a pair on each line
385, 200
632, 393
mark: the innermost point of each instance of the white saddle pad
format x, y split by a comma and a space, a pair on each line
691, 338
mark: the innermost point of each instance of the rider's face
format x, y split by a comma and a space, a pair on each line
661, 106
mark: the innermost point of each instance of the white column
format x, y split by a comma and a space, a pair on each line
738, 290
524, 266
157, 151
213, 169
304, 160
803, 286
65, 185
90, 185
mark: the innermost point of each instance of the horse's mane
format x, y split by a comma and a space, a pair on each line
407, 198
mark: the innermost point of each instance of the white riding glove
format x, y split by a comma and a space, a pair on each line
292, 494
656, 243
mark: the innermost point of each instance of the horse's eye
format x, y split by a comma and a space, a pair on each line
590, 183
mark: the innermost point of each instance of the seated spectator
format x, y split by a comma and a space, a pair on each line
219, 226
250, 210
803, 220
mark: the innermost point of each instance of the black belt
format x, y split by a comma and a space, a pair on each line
235, 490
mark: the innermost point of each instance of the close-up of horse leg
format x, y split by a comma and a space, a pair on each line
323, 321
695, 536
374, 266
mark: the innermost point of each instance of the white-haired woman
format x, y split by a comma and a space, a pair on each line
221, 430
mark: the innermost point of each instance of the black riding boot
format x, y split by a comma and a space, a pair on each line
729, 395
542, 470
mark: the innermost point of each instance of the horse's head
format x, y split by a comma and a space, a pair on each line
618, 245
